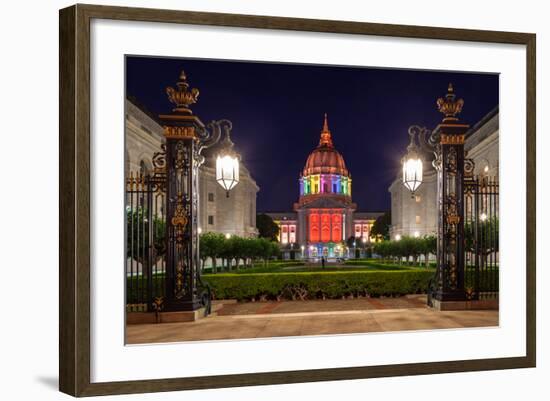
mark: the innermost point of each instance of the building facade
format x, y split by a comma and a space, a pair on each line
233, 215
417, 215
324, 217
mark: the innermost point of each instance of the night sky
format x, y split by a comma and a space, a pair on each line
277, 113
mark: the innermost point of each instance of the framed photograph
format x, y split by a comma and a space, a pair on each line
250, 200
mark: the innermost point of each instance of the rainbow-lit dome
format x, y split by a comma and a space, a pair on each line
325, 171
325, 158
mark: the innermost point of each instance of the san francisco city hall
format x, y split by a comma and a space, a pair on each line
325, 215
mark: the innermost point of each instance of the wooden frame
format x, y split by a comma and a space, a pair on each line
74, 203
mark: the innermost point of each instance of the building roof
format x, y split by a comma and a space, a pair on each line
281, 215
325, 159
367, 215
484, 128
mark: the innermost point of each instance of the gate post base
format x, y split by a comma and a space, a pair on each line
173, 305
164, 317
464, 305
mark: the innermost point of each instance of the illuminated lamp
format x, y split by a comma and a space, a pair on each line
412, 168
227, 165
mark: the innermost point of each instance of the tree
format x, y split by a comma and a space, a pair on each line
267, 249
383, 249
487, 236
211, 245
267, 228
428, 246
253, 249
275, 250
238, 249
351, 242
381, 227
368, 253
137, 237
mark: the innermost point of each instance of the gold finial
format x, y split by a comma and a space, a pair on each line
326, 138
449, 106
182, 97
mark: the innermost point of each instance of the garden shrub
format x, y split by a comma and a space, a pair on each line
305, 285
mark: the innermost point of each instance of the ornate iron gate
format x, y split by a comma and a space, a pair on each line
481, 237
145, 237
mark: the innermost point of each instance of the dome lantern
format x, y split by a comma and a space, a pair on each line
326, 138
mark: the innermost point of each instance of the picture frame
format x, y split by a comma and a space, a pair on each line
75, 336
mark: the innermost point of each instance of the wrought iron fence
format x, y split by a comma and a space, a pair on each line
481, 236
145, 240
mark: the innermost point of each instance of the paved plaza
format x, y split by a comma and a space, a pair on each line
298, 318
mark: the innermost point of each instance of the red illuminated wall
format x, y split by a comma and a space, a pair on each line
314, 227
336, 227
325, 227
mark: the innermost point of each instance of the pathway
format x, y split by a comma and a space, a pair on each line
299, 318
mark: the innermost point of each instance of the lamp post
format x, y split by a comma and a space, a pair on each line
186, 136
447, 144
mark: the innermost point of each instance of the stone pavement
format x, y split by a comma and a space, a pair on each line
300, 318
333, 305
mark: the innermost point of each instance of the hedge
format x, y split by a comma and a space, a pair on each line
314, 285
379, 266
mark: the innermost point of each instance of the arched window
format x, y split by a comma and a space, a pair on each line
143, 168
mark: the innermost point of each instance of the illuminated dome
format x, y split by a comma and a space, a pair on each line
325, 171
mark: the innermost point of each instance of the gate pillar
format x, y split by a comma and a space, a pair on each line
449, 281
182, 130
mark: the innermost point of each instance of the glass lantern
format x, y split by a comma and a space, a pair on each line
412, 168
227, 166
